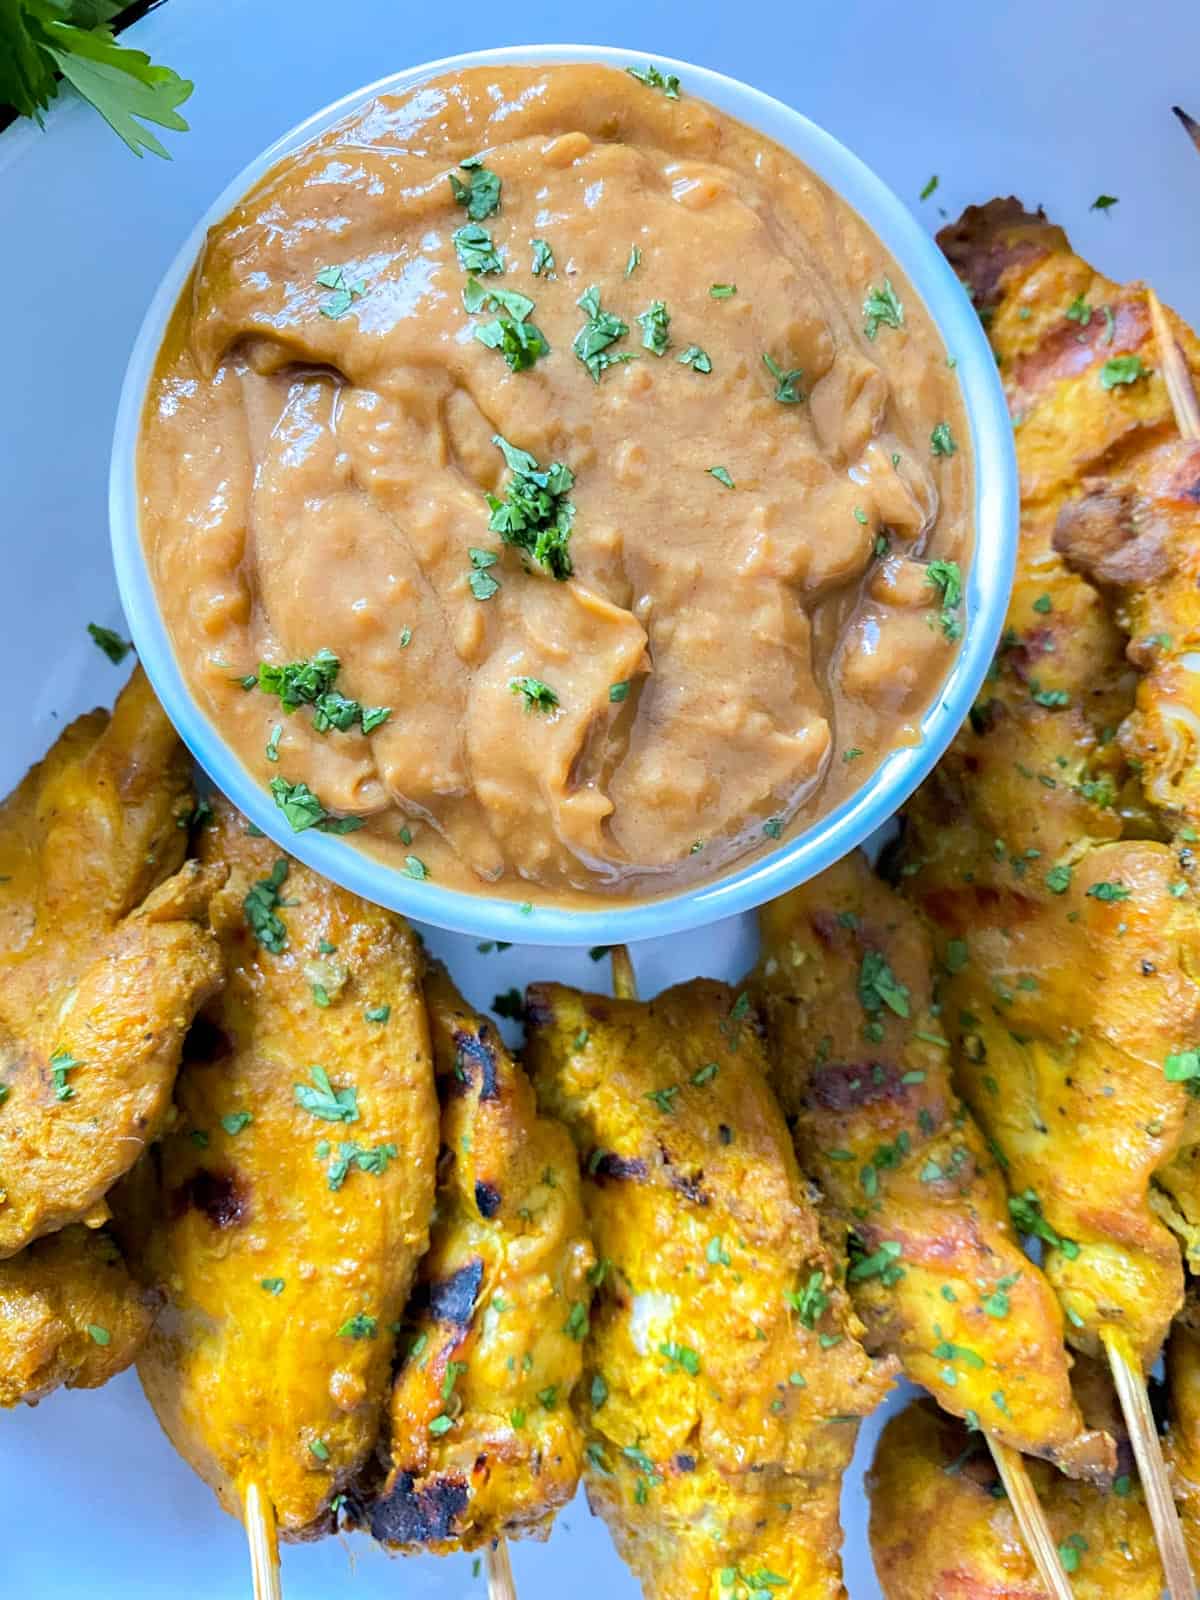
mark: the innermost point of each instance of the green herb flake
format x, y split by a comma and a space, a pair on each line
929, 188
303, 809
319, 1448
1107, 891
377, 1013
601, 330
475, 250
634, 262
722, 291
721, 474
322, 1100
882, 307
113, 645
538, 696
1121, 370
98, 1335
1103, 202
62, 1062
234, 1121
359, 1326
654, 79
879, 987
941, 440
1026, 1212
655, 323
260, 909
535, 514
414, 867
786, 391
680, 1357
543, 259
695, 358
481, 192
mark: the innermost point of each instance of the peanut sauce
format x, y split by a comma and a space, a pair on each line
720, 617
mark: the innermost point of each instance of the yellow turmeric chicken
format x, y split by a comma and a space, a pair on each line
942, 1529
724, 1377
104, 961
294, 1193
483, 1440
70, 1315
861, 1064
1073, 1000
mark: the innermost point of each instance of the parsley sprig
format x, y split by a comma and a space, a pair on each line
43, 38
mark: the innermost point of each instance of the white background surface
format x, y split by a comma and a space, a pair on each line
1056, 101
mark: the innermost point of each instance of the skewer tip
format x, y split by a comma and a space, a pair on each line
1176, 373
262, 1536
1130, 1384
1031, 1519
499, 1572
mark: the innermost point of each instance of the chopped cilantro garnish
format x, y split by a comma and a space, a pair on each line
722, 291
485, 297
377, 1013
359, 1326
878, 986
520, 343
322, 1100
810, 1302
634, 262
945, 575
259, 908
319, 1449
929, 188
1026, 1212
1079, 311
654, 323
62, 1062
538, 696
721, 474
880, 1264
414, 867
618, 692
353, 1155
941, 440
343, 292
483, 585
1182, 1067
1058, 879
475, 250
654, 79
535, 514
1103, 202
680, 1356
234, 1121
304, 810
786, 391
1108, 891
576, 1325
882, 306
697, 359
481, 192
543, 258
601, 330
1121, 369
98, 1335
272, 1285
114, 647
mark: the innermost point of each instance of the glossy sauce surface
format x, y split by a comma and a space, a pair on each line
734, 622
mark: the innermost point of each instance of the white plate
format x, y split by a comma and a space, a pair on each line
1056, 102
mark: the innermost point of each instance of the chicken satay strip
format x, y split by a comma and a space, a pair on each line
1183, 1407
724, 1375
105, 960
295, 1191
1138, 534
1074, 946
942, 1529
860, 1061
483, 1442
70, 1316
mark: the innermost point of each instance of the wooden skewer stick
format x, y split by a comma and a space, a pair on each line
1031, 1519
1190, 126
1014, 1474
1130, 1385
499, 1572
1176, 374
259, 1516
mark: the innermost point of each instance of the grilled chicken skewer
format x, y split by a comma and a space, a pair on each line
70, 1315
941, 1528
1073, 989
293, 1197
724, 1377
483, 1443
104, 961
861, 1066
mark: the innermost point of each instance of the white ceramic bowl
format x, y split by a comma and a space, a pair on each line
986, 589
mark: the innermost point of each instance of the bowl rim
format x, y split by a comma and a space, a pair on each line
986, 590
